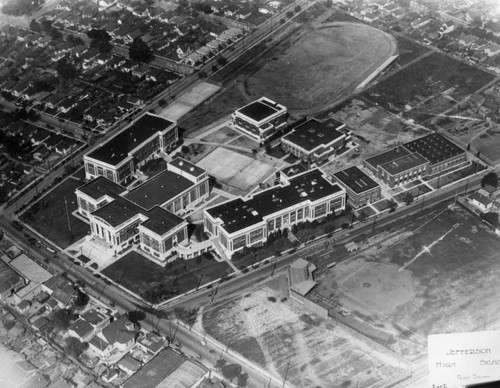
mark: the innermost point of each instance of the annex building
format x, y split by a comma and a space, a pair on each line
119, 157
429, 155
260, 119
150, 214
246, 222
315, 141
360, 188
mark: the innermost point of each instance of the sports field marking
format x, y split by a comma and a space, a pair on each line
427, 249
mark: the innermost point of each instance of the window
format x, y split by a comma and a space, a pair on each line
90, 168
208, 226
293, 217
285, 219
256, 235
278, 222
100, 171
320, 210
306, 212
109, 175
239, 242
336, 204
300, 214
270, 225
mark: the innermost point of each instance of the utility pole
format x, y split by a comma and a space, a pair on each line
286, 373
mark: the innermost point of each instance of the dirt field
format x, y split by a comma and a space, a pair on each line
373, 129
234, 169
488, 144
276, 334
337, 56
449, 286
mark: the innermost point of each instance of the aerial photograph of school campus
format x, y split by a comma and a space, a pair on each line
245, 193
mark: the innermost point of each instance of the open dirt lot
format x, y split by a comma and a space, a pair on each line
373, 129
234, 169
448, 284
319, 353
320, 64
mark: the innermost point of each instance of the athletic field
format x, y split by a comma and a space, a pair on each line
322, 64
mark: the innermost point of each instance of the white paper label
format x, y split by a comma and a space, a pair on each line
459, 359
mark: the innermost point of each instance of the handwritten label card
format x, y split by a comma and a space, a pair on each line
460, 359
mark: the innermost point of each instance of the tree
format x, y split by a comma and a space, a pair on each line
140, 51
222, 61
74, 347
231, 371
81, 298
62, 318
408, 198
66, 69
329, 3
35, 26
298, 8
136, 316
98, 34
490, 179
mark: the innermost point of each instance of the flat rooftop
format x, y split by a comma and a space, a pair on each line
313, 133
161, 221
355, 179
260, 110
187, 167
435, 148
118, 211
29, 269
404, 163
156, 370
159, 189
239, 214
117, 148
99, 187
386, 156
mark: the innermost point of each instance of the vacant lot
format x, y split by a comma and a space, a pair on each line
285, 340
427, 78
139, 274
49, 216
446, 253
320, 65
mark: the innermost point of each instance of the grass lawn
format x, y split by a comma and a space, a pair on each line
310, 231
416, 192
276, 152
382, 205
427, 77
408, 50
48, 216
139, 274
278, 246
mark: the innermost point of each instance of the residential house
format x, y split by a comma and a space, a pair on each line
129, 364
60, 289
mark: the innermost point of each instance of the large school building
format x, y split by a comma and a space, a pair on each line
149, 215
304, 197
119, 157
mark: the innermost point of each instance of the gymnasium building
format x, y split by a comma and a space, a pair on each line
260, 119
315, 141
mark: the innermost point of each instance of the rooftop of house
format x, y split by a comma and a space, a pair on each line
119, 331
99, 343
261, 109
129, 363
161, 221
118, 211
101, 186
81, 327
159, 189
239, 214
93, 317
118, 147
355, 179
313, 133
156, 370
8, 278
434, 147
153, 342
